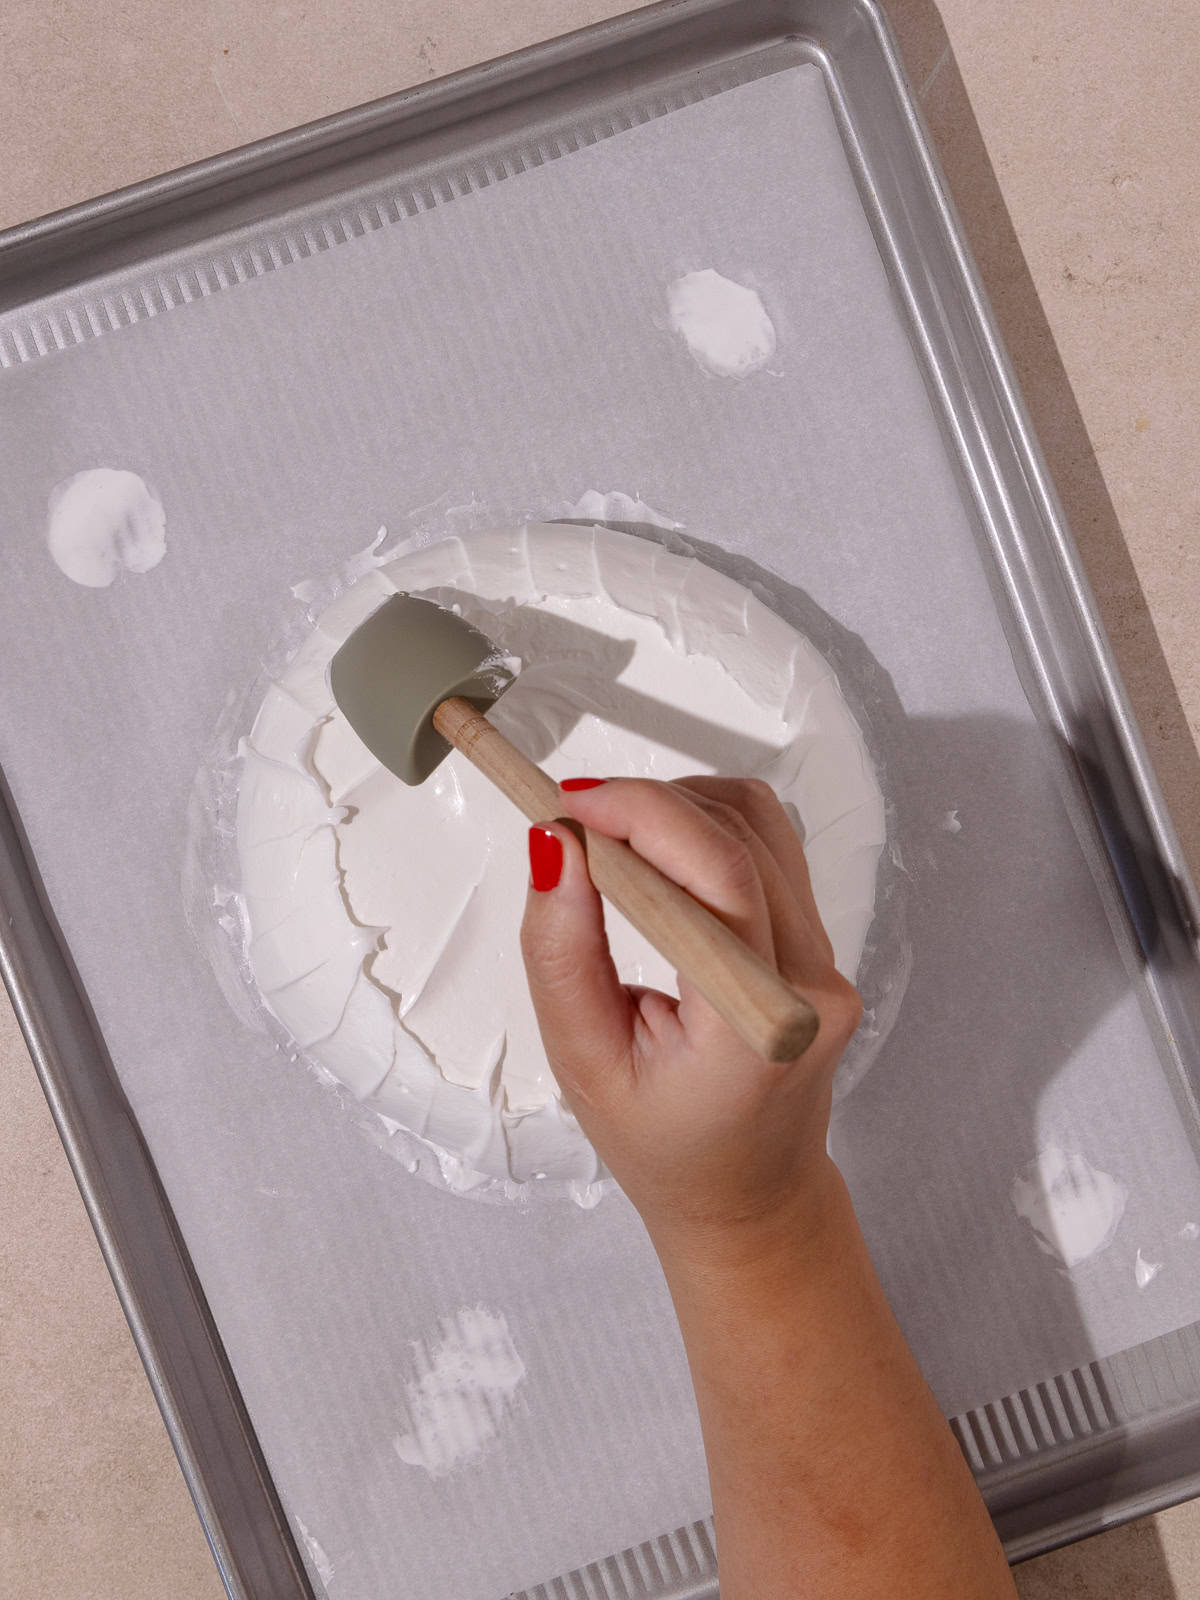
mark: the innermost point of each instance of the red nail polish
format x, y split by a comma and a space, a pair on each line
545, 859
572, 785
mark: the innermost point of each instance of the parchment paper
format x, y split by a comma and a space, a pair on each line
512, 348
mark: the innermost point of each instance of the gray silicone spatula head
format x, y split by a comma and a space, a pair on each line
398, 666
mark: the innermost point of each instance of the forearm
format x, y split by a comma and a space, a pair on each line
833, 1472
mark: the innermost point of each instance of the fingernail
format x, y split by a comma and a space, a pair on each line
571, 785
545, 859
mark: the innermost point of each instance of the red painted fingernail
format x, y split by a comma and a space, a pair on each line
545, 859
571, 785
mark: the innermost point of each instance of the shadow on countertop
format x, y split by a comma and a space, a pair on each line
1128, 1563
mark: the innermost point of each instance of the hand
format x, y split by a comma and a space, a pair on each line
832, 1469
701, 1133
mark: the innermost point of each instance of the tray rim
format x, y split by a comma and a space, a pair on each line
31, 937
56, 1022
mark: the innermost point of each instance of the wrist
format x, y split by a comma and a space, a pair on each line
802, 1228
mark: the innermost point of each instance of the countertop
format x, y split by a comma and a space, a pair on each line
1067, 131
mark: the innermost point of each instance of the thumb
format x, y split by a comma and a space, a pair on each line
584, 1012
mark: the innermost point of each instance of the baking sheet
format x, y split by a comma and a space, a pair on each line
510, 350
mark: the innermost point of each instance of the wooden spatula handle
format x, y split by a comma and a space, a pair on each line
776, 1022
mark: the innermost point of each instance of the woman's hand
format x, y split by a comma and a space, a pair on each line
702, 1134
833, 1472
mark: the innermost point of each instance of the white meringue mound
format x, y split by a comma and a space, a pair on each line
382, 921
103, 522
724, 324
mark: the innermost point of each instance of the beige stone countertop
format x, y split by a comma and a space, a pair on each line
1068, 132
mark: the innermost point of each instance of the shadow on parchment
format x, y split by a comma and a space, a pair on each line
989, 884
1129, 1561
1057, 420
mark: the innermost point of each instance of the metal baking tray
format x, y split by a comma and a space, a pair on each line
1085, 1450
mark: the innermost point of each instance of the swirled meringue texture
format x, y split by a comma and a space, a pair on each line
383, 920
